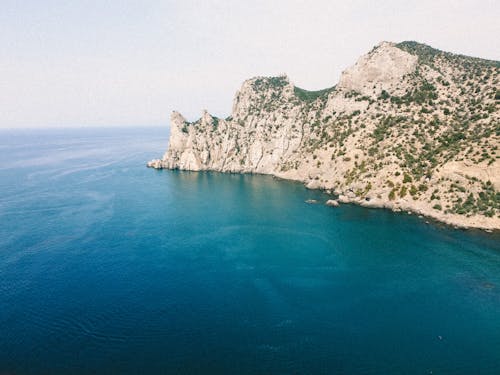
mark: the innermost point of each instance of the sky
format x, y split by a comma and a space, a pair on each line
130, 63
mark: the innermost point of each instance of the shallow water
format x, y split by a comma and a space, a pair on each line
109, 267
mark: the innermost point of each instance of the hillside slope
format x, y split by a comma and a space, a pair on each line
408, 127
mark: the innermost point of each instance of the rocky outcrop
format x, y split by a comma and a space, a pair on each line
382, 69
332, 203
407, 127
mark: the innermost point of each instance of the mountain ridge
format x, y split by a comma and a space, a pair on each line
407, 127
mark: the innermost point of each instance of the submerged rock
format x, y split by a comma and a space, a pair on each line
332, 202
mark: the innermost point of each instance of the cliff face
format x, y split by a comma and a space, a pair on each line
407, 127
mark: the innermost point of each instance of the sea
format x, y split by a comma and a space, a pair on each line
108, 267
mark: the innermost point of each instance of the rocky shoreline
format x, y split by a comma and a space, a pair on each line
407, 128
455, 221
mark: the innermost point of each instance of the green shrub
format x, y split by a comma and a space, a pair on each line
422, 187
407, 178
309, 96
392, 194
384, 95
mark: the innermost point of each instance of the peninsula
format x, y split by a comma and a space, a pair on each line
408, 127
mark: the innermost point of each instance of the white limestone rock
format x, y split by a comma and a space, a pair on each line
357, 143
383, 68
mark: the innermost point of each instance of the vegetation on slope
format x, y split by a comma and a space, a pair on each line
309, 96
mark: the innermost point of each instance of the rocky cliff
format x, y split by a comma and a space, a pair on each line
408, 127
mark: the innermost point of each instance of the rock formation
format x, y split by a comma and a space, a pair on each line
408, 127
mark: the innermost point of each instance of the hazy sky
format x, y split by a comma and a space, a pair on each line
99, 63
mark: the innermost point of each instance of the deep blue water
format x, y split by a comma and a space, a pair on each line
107, 267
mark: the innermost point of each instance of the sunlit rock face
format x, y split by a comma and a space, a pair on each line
383, 68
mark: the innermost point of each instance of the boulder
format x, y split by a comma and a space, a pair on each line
332, 202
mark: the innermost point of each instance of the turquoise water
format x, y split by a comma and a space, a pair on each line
107, 267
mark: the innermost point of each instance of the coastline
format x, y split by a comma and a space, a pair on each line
419, 208
397, 132
455, 221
